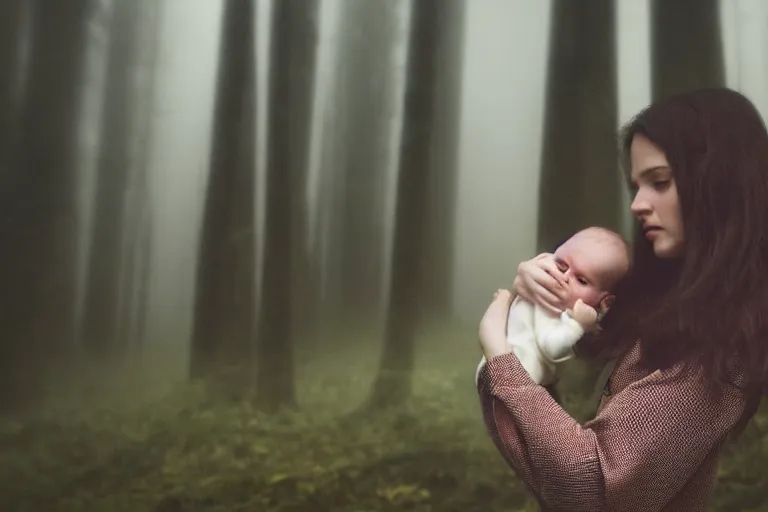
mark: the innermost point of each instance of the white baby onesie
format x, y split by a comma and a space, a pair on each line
539, 339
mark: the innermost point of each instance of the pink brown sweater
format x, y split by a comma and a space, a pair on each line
653, 445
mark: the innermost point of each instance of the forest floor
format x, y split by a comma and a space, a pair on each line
136, 438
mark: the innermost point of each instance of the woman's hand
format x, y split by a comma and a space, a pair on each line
540, 281
493, 326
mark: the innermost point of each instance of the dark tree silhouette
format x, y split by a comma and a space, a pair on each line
580, 182
135, 273
437, 267
102, 292
301, 51
11, 69
225, 296
37, 191
393, 383
364, 65
686, 46
291, 75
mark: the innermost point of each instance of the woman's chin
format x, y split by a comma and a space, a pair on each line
666, 248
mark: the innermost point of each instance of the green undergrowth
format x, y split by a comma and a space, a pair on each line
180, 447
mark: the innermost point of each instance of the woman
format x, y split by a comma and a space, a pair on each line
688, 330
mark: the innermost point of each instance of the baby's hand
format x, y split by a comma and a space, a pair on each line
584, 314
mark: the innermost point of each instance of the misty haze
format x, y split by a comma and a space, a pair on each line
247, 244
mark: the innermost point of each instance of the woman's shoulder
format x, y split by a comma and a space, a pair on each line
629, 370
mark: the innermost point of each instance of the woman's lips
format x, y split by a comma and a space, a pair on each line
651, 231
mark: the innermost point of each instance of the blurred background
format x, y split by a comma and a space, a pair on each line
246, 243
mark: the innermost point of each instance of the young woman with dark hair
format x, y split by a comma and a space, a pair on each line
688, 330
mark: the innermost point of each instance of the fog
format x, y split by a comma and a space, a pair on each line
502, 104
349, 121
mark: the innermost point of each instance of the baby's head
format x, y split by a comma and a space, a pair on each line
595, 259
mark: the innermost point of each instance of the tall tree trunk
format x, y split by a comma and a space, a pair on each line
305, 297
138, 233
225, 295
291, 84
686, 46
142, 279
11, 68
580, 183
37, 193
393, 383
102, 292
439, 252
365, 66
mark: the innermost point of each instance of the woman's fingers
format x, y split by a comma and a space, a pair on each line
552, 309
541, 281
548, 300
519, 288
551, 279
551, 268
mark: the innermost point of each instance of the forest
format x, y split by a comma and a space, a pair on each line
323, 364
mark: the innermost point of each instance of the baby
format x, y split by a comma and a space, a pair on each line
594, 259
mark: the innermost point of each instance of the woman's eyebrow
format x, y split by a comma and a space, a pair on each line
649, 170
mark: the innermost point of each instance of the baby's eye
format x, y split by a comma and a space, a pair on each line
583, 281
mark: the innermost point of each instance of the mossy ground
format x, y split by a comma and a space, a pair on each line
135, 437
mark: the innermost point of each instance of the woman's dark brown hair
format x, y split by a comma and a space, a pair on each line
709, 308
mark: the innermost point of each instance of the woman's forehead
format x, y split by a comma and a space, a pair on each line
646, 156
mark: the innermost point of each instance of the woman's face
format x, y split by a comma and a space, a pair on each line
656, 204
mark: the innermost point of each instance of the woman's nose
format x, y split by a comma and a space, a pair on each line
639, 206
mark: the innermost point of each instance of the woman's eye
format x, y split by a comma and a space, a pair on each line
660, 184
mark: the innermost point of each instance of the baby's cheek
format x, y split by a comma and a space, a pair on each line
590, 296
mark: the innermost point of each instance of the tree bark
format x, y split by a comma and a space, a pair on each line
439, 254
580, 182
364, 66
394, 381
225, 296
12, 32
686, 46
135, 274
102, 294
291, 89
37, 192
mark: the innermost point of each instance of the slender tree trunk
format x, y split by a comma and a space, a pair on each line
393, 383
225, 295
138, 236
365, 66
37, 193
439, 252
11, 68
686, 46
102, 294
291, 84
305, 298
143, 275
580, 181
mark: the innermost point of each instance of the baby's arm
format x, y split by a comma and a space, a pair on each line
557, 343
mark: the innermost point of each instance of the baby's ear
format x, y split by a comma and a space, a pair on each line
605, 304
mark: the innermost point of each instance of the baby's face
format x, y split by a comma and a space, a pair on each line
593, 267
